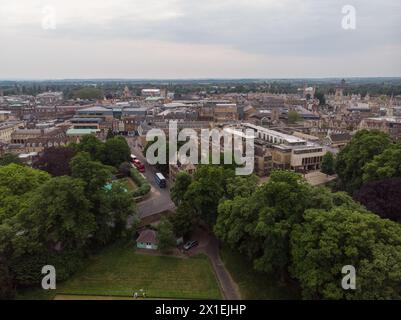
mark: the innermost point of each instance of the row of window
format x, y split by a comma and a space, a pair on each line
312, 160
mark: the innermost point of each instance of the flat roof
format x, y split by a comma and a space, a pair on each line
86, 119
96, 108
283, 136
81, 131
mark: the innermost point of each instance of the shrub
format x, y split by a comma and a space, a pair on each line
141, 182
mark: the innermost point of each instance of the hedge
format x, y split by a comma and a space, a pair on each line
141, 182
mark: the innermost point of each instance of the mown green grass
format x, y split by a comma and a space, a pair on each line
120, 271
128, 184
255, 285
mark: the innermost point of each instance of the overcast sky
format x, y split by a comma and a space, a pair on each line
197, 39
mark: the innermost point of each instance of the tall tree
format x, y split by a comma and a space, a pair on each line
92, 145
184, 219
20, 179
328, 164
60, 213
116, 205
259, 225
382, 197
180, 187
165, 235
56, 161
116, 151
93, 173
9, 158
329, 240
207, 189
385, 165
364, 146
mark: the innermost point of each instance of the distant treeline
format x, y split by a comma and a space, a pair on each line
373, 86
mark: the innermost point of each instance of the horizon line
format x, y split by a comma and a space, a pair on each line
200, 78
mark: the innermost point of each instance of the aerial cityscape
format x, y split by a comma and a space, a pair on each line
232, 174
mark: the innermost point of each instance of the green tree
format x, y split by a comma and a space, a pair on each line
364, 146
180, 187
259, 225
242, 186
184, 219
165, 235
328, 164
236, 222
329, 240
20, 179
125, 169
9, 158
116, 151
320, 96
92, 145
56, 161
88, 93
116, 205
207, 189
293, 117
59, 213
384, 165
93, 173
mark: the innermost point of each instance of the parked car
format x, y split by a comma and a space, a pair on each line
190, 245
139, 165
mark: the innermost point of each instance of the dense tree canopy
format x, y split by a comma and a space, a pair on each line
364, 146
329, 240
9, 158
208, 187
384, 165
259, 224
165, 235
59, 213
116, 151
92, 145
113, 152
56, 161
382, 197
93, 173
184, 219
57, 220
20, 179
181, 185
328, 164
88, 93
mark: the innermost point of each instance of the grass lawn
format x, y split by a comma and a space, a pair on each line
120, 271
254, 285
128, 184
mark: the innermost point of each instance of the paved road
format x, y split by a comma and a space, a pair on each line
209, 245
159, 199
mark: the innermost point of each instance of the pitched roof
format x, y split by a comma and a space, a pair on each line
147, 235
335, 137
